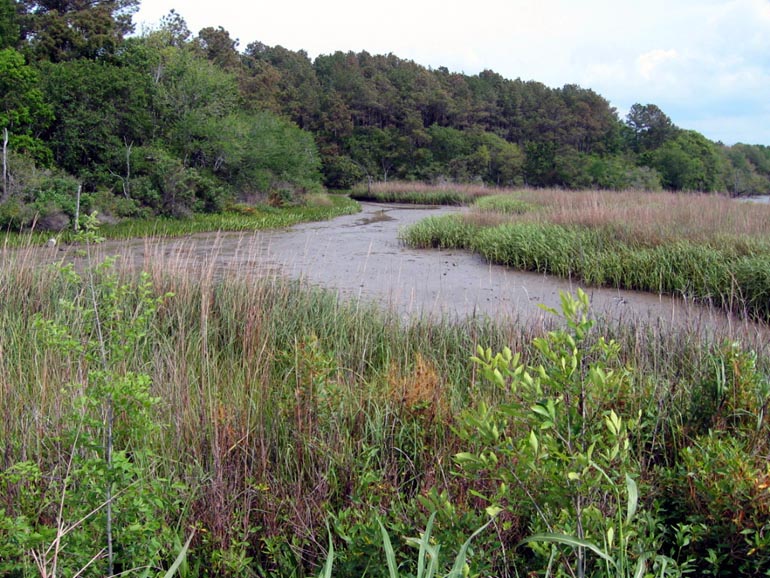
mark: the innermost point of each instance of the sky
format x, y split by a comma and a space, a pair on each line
705, 63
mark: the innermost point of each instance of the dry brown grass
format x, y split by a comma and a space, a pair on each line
416, 187
318, 200
419, 391
650, 217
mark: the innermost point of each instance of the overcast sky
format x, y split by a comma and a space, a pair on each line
705, 63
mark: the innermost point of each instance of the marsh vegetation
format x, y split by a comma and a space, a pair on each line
181, 422
705, 247
264, 419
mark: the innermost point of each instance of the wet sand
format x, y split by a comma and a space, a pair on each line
361, 257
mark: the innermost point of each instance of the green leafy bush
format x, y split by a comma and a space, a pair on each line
559, 449
97, 508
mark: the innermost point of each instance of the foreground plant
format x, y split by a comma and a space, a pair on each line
429, 562
98, 507
559, 447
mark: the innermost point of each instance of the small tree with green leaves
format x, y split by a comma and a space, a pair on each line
102, 506
559, 450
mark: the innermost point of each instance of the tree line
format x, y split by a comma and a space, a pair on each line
171, 122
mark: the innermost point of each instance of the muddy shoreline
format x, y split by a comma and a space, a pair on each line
361, 258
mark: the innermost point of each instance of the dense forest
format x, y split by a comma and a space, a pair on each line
170, 123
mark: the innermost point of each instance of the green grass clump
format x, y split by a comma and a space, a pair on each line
503, 204
751, 276
445, 232
529, 246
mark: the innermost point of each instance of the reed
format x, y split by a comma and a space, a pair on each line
708, 248
420, 193
282, 408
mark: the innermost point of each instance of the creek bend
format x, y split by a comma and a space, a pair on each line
361, 258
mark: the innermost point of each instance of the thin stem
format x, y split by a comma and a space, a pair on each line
109, 418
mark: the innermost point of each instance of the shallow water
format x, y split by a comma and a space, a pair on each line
361, 258
764, 199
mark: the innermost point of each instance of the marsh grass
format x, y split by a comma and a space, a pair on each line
281, 404
420, 193
704, 247
654, 218
505, 204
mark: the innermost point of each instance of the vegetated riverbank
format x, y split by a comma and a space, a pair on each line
315, 207
707, 248
420, 193
257, 414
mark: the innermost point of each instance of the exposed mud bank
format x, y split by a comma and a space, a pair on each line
360, 257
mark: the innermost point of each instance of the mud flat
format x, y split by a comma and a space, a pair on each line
361, 258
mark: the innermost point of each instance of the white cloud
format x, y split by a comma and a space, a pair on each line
648, 65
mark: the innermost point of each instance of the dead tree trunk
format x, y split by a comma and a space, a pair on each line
127, 181
77, 208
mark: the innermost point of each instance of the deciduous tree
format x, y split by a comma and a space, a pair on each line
23, 110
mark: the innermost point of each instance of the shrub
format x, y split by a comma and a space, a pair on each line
559, 449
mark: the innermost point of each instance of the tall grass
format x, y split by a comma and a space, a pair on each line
708, 248
654, 218
420, 193
284, 407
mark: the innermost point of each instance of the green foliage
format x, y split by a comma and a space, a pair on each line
100, 108
193, 96
429, 562
428, 559
275, 154
746, 171
719, 481
163, 183
540, 164
42, 199
650, 127
687, 162
340, 172
75, 30
719, 486
9, 26
99, 507
559, 452
23, 109
233, 218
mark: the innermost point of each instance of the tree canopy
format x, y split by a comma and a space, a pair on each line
78, 94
